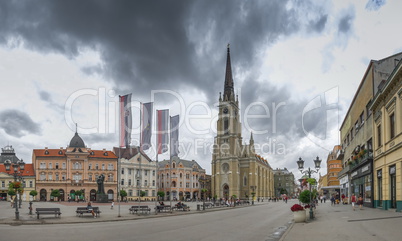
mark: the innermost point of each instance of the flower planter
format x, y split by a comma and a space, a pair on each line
299, 216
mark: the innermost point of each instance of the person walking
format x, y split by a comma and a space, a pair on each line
353, 200
360, 202
111, 207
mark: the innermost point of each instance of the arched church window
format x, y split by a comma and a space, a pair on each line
245, 181
226, 126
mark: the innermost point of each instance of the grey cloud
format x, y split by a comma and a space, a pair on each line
319, 25
45, 96
145, 45
375, 5
345, 23
17, 123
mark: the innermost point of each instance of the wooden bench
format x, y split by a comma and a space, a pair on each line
181, 207
163, 208
136, 209
44, 211
209, 205
81, 210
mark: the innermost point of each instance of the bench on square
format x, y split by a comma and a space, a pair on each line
136, 209
81, 210
163, 208
44, 211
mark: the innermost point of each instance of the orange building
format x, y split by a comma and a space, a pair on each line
74, 168
334, 166
184, 179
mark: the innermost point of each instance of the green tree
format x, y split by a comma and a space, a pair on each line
142, 193
78, 193
161, 194
123, 194
55, 193
33, 193
304, 197
11, 193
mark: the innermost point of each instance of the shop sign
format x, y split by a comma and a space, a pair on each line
353, 174
379, 173
368, 188
365, 169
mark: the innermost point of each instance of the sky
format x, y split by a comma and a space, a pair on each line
296, 66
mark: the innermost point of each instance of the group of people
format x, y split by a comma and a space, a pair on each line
359, 201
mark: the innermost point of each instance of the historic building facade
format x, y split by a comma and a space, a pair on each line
284, 182
357, 131
387, 129
334, 166
6, 177
181, 179
138, 173
236, 169
74, 168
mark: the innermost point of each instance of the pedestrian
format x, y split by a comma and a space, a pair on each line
90, 208
353, 200
112, 205
332, 200
360, 202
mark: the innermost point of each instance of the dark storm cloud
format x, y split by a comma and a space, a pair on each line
16, 123
153, 45
45, 96
374, 5
345, 23
319, 25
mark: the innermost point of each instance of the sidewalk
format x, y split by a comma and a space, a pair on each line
68, 214
340, 222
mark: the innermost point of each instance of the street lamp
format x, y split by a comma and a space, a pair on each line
202, 180
317, 163
17, 175
252, 194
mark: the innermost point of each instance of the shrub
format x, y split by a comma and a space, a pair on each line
304, 196
297, 207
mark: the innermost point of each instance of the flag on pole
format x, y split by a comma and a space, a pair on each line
162, 130
146, 130
174, 135
125, 120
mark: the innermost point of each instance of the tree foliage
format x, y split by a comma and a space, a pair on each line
304, 196
161, 194
123, 193
33, 193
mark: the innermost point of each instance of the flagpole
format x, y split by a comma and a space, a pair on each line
170, 167
141, 130
157, 171
118, 161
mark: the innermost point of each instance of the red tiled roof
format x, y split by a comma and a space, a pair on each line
62, 152
28, 170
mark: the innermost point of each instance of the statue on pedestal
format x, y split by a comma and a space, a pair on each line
101, 187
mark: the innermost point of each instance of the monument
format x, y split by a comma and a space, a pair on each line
101, 196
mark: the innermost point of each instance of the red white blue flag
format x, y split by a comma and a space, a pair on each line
162, 138
125, 120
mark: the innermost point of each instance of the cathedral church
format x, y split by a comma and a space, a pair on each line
236, 168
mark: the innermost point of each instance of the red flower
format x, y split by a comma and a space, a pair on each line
296, 208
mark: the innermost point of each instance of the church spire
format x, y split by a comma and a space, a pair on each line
228, 93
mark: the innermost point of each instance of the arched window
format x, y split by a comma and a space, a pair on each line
245, 181
174, 165
226, 126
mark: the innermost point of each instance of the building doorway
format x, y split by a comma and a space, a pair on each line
61, 197
43, 195
92, 195
392, 172
226, 191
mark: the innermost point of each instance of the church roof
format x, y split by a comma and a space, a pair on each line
77, 141
228, 93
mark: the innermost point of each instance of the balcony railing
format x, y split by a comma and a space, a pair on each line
366, 157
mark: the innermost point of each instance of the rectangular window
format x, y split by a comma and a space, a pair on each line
63, 177
103, 166
129, 181
96, 166
153, 173
129, 171
146, 182
122, 181
30, 183
368, 111
57, 176
89, 166
347, 139
392, 125
110, 167
379, 135
153, 193
356, 127
64, 165
146, 172
361, 118
50, 165
153, 183
57, 165
3, 184
122, 171
42, 177
351, 134
138, 182
130, 193
187, 184
90, 177
110, 178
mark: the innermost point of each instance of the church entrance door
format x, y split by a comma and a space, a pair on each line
226, 191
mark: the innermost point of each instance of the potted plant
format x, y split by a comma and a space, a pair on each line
299, 215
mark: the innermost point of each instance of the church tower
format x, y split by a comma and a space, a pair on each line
228, 142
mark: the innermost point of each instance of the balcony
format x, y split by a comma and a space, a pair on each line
344, 171
368, 156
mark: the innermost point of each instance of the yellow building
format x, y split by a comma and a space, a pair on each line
387, 129
236, 169
74, 168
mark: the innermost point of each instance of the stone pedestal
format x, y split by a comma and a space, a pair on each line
101, 198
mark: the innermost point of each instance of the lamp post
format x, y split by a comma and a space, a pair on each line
202, 181
317, 163
17, 175
253, 194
